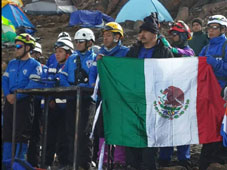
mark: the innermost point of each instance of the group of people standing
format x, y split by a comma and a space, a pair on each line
74, 62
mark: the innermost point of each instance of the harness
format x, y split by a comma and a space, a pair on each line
81, 75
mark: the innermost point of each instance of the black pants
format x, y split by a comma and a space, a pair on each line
24, 118
141, 158
34, 142
84, 155
56, 136
212, 153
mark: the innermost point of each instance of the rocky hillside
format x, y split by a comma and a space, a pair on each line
48, 27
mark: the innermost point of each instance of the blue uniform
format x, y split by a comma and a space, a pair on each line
19, 75
67, 75
51, 60
117, 51
213, 52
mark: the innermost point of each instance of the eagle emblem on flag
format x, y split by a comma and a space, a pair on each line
171, 103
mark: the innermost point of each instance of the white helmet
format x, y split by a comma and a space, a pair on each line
217, 19
65, 44
38, 48
84, 34
64, 35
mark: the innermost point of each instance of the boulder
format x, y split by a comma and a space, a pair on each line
182, 14
216, 166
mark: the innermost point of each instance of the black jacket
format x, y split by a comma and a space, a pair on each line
160, 51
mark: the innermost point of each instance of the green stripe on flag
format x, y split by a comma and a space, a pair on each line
124, 104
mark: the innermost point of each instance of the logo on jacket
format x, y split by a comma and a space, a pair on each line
170, 104
89, 63
39, 70
25, 71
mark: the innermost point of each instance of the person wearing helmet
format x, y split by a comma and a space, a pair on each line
112, 46
148, 46
77, 71
52, 58
216, 55
56, 142
199, 38
112, 35
180, 33
19, 74
35, 139
37, 53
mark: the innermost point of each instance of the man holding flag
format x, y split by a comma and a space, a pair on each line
158, 102
149, 46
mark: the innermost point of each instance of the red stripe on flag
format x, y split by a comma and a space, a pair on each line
210, 105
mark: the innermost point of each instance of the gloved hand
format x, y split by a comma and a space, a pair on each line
174, 50
211, 60
165, 42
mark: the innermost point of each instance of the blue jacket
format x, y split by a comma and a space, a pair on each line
53, 71
19, 75
67, 75
51, 60
219, 64
117, 51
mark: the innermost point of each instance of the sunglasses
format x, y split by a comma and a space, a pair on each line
214, 27
59, 44
107, 28
79, 41
216, 18
18, 46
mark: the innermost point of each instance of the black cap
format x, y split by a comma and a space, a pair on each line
150, 26
198, 20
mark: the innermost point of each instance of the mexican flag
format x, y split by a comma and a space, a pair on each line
160, 102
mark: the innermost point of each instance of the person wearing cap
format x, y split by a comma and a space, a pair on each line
148, 46
180, 33
199, 38
216, 54
77, 71
112, 46
19, 74
56, 142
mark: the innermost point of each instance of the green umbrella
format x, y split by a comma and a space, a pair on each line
8, 31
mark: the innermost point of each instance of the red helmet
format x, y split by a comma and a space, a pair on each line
180, 26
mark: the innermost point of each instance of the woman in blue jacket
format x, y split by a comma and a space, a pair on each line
216, 53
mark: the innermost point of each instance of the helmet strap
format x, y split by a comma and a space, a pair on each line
86, 46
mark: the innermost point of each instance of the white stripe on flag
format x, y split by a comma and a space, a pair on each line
159, 75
